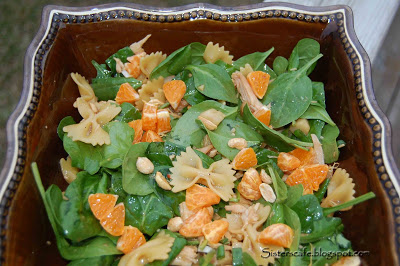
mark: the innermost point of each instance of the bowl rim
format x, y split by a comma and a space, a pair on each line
18, 121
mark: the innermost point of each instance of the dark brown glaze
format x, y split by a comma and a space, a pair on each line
369, 226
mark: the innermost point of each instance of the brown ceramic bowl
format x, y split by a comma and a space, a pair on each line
69, 38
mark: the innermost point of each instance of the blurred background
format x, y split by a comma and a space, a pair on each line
377, 25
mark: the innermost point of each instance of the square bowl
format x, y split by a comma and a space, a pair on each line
69, 38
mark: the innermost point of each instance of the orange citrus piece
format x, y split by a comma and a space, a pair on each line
258, 81
126, 94
151, 136
149, 117
215, 231
163, 121
131, 239
114, 221
133, 67
245, 159
310, 176
174, 91
102, 204
137, 126
249, 185
305, 157
287, 162
278, 235
192, 227
263, 115
198, 197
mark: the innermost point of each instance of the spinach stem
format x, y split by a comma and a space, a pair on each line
355, 201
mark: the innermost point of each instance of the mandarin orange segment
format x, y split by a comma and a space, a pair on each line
310, 177
287, 162
126, 94
163, 121
199, 197
130, 240
149, 117
249, 186
258, 81
305, 157
151, 136
278, 235
114, 221
318, 173
193, 225
133, 67
215, 231
245, 159
263, 115
174, 91
101, 204
137, 126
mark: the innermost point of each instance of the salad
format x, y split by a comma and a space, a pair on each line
198, 159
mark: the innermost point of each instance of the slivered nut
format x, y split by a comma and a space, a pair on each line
144, 165
162, 182
267, 192
237, 143
175, 224
206, 141
200, 88
207, 123
265, 177
206, 149
212, 153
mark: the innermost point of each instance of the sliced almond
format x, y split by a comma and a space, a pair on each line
265, 177
237, 143
162, 182
267, 192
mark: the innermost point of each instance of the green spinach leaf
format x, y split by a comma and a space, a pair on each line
122, 54
292, 220
133, 181
280, 65
272, 137
317, 112
280, 187
107, 88
94, 247
289, 95
214, 82
128, 113
187, 132
76, 218
121, 136
178, 59
305, 50
147, 213
84, 156
220, 136
94, 261
255, 60
66, 121
294, 194
102, 71
318, 97
329, 145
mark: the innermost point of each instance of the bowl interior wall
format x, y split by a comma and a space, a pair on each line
76, 45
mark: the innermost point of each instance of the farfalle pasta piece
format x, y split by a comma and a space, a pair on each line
247, 69
95, 115
136, 47
156, 249
151, 90
68, 171
340, 190
151, 61
188, 170
85, 90
214, 52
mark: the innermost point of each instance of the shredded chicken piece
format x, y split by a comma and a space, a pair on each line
187, 256
246, 93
